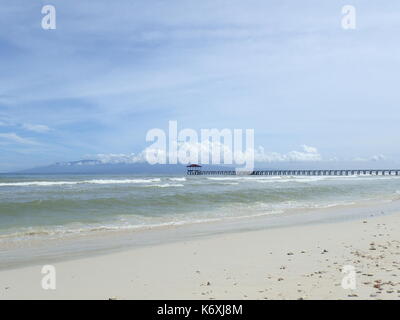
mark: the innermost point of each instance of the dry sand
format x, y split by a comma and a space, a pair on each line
301, 262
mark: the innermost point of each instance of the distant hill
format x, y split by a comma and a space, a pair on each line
96, 166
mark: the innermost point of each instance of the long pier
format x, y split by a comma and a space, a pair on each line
371, 172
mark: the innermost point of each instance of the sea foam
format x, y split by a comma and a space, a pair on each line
94, 181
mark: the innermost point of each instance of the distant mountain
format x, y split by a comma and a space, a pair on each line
98, 167
79, 163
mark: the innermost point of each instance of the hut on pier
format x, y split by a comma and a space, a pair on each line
193, 169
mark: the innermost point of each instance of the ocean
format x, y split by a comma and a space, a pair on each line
40, 207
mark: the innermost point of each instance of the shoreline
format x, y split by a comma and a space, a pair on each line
282, 262
104, 242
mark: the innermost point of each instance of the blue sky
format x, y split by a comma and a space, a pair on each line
113, 70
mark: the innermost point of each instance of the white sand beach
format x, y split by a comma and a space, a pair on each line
199, 150
297, 262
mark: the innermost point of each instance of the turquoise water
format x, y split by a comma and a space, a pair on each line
57, 206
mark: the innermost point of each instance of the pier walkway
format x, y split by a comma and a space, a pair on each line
371, 172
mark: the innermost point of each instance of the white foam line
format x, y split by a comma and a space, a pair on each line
166, 185
59, 183
177, 179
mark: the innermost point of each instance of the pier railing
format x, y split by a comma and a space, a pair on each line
371, 172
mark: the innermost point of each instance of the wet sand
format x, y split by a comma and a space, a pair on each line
292, 262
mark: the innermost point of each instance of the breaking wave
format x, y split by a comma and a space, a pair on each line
76, 204
61, 183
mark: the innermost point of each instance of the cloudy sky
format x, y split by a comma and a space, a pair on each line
112, 70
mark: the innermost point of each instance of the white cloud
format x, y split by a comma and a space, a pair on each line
309, 149
307, 154
379, 157
375, 158
14, 138
119, 157
260, 155
39, 128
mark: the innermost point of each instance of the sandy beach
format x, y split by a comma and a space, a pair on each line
199, 150
296, 262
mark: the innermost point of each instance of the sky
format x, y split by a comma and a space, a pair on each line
111, 71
